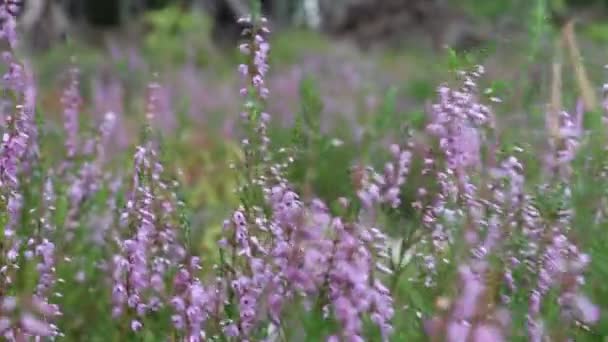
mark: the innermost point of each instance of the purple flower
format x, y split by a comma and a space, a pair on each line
34, 326
458, 331
586, 311
136, 325
72, 101
472, 289
191, 303
386, 188
486, 332
150, 247
257, 49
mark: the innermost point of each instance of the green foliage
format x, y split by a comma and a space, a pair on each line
322, 161
177, 36
597, 31
421, 89
538, 28
292, 44
387, 116
493, 9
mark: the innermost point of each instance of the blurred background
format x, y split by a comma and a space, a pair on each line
357, 43
367, 60
461, 24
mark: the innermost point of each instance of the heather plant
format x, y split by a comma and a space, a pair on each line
372, 226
